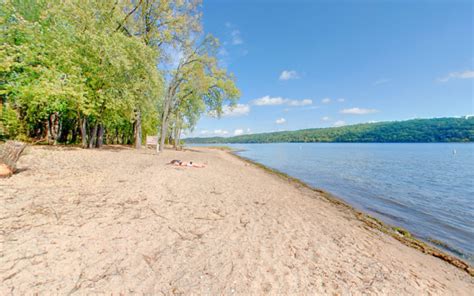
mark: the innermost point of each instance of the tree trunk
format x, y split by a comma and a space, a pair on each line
93, 136
83, 126
178, 137
176, 131
100, 136
137, 132
164, 125
54, 128
116, 138
64, 133
74, 133
48, 130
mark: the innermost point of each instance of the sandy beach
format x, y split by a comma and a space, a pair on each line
116, 220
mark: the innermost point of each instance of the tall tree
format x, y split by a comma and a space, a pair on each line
197, 83
158, 24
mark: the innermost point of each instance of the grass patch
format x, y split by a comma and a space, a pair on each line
402, 231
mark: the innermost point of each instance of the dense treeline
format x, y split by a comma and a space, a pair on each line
416, 130
95, 72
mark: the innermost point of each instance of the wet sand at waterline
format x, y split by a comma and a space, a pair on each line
120, 220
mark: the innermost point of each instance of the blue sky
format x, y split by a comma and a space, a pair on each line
307, 64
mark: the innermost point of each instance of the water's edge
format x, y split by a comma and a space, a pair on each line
398, 233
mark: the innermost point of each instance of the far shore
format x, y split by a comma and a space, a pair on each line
119, 220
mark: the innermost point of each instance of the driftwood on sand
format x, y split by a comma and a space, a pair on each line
9, 155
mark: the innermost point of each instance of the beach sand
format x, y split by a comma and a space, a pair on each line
119, 220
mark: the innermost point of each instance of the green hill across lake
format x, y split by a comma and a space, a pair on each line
458, 129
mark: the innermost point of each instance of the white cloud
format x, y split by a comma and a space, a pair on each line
217, 132
326, 100
325, 118
381, 81
341, 100
457, 75
358, 111
220, 132
339, 123
232, 111
280, 121
288, 74
269, 101
272, 101
238, 132
237, 110
304, 102
236, 38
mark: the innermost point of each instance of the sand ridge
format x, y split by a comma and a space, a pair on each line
122, 221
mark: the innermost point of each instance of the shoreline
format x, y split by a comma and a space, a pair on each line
399, 233
118, 220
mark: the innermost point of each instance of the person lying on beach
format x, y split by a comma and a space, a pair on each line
177, 162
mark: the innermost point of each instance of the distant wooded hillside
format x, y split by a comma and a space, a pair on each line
409, 131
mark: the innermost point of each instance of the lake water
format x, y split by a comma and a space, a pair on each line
426, 188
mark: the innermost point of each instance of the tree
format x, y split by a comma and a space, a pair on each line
158, 23
68, 68
197, 85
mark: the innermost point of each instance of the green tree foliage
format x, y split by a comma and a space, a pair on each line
92, 70
409, 131
66, 69
197, 85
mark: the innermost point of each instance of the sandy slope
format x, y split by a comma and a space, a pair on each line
122, 221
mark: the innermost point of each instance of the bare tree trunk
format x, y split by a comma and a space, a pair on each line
64, 134
48, 130
83, 128
164, 124
178, 137
54, 128
100, 136
93, 136
137, 132
177, 131
74, 134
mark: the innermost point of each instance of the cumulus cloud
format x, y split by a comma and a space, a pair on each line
238, 132
280, 121
220, 132
339, 123
325, 118
288, 74
358, 111
232, 111
304, 102
272, 101
457, 75
269, 101
326, 100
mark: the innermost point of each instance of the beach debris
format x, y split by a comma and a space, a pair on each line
10, 152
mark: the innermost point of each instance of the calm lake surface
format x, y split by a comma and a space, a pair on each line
425, 188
